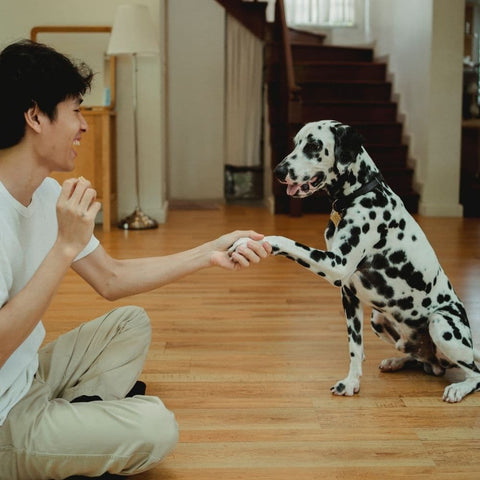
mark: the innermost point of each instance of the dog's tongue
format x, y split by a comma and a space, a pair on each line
292, 189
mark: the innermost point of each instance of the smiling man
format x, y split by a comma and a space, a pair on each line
73, 406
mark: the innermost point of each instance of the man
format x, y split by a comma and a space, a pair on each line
63, 409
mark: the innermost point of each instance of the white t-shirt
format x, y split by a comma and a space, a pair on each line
27, 234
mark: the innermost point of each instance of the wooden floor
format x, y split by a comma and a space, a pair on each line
246, 359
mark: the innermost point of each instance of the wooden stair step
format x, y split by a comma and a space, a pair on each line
339, 71
380, 91
374, 133
399, 179
388, 155
299, 36
347, 112
306, 52
380, 133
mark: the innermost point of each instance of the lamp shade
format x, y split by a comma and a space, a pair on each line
132, 32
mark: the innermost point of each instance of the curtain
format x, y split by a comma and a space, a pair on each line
320, 12
243, 96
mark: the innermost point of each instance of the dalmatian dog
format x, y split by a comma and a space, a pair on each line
379, 257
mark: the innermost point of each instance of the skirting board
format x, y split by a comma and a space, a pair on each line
439, 210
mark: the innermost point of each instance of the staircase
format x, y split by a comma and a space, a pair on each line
348, 85
309, 81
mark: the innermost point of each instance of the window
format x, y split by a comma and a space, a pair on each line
313, 13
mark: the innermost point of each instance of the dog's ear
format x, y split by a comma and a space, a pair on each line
348, 144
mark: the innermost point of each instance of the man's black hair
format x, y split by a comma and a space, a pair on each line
35, 74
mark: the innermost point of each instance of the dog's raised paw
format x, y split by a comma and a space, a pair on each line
238, 243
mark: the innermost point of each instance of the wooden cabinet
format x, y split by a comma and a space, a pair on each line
96, 160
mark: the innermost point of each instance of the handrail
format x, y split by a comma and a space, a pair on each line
293, 88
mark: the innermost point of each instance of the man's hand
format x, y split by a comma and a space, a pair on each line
251, 252
76, 211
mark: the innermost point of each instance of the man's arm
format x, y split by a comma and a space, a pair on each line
115, 279
76, 211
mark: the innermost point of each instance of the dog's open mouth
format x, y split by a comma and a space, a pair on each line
303, 189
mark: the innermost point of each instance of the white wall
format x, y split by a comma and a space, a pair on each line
423, 41
196, 88
17, 17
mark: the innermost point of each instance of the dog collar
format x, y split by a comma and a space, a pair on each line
339, 205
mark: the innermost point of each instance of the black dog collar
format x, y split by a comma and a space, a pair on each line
341, 204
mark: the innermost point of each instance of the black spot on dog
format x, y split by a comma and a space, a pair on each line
379, 262
291, 172
414, 279
382, 229
398, 257
405, 303
354, 239
393, 224
330, 230
350, 302
416, 322
302, 262
317, 255
380, 200
392, 332
377, 327
301, 245
426, 302
357, 325
345, 248
342, 224
366, 283
312, 147
367, 203
372, 215
380, 244
366, 227
392, 272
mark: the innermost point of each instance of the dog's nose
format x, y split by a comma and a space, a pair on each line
281, 171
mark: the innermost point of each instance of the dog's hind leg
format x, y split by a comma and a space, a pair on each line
354, 313
451, 335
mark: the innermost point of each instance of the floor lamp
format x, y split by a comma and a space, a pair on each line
133, 34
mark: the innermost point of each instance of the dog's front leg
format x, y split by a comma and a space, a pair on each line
354, 313
332, 266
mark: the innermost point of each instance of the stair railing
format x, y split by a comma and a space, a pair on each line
293, 88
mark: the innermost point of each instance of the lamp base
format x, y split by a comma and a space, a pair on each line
137, 221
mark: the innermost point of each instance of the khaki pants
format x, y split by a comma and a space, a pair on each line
47, 437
